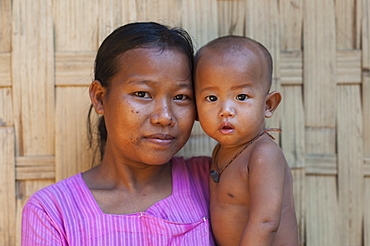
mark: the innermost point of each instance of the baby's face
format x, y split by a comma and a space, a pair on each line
231, 89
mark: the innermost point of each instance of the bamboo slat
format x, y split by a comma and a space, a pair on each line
76, 27
6, 110
33, 87
350, 163
291, 68
72, 152
198, 16
7, 186
6, 26
320, 117
231, 17
291, 21
346, 24
349, 67
115, 13
367, 212
322, 215
74, 68
5, 78
366, 73
166, 12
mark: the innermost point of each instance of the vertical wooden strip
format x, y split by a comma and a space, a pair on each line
165, 12
350, 163
113, 14
7, 186
346, 24
322, 209
199, 18
76, 25
72, 150
33, 77
367, 212
5, 25
292, 117
291, 21
366, 72
320, 118
292, 143
231, 17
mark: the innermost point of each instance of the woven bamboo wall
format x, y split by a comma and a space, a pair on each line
321, 50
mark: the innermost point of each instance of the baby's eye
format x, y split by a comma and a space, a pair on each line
241, 97
181, 97
142, 94
211, 98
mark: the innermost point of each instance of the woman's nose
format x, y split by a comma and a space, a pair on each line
162, 115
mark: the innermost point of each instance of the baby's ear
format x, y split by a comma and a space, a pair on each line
97, 92
273, 100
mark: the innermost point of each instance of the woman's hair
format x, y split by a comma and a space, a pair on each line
127, 37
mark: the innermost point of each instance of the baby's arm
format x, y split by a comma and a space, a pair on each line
266, 187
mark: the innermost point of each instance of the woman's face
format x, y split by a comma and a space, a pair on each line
149, 107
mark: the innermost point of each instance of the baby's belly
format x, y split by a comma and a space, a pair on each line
228, 222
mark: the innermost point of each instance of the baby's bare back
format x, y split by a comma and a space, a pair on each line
231, 205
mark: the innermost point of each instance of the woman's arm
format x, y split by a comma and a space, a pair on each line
38, 228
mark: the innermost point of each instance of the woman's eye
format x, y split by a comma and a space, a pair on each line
141, 94
211, 98
241, 97
181, 97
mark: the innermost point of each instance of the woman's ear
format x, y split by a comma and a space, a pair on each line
97, 92
273, 100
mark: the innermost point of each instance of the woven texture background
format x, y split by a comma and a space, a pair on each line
321, 52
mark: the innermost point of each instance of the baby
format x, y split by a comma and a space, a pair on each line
250, 181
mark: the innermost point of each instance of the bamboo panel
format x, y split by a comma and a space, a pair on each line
291, 21
5, 24
7, 186
231, 17
115, 13
33, 88
322, 214
5, 79
199, 18
350, 163
72, 153
76, 25
74, 68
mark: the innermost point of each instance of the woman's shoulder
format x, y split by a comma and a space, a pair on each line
60, 191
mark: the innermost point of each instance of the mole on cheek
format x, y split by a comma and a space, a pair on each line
137, 112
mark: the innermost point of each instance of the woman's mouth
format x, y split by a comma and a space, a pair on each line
160, 139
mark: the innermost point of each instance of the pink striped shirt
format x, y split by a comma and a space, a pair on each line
66, 213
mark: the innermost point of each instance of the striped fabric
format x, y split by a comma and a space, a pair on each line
66, 213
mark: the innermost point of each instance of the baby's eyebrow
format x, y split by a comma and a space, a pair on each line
210, 88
